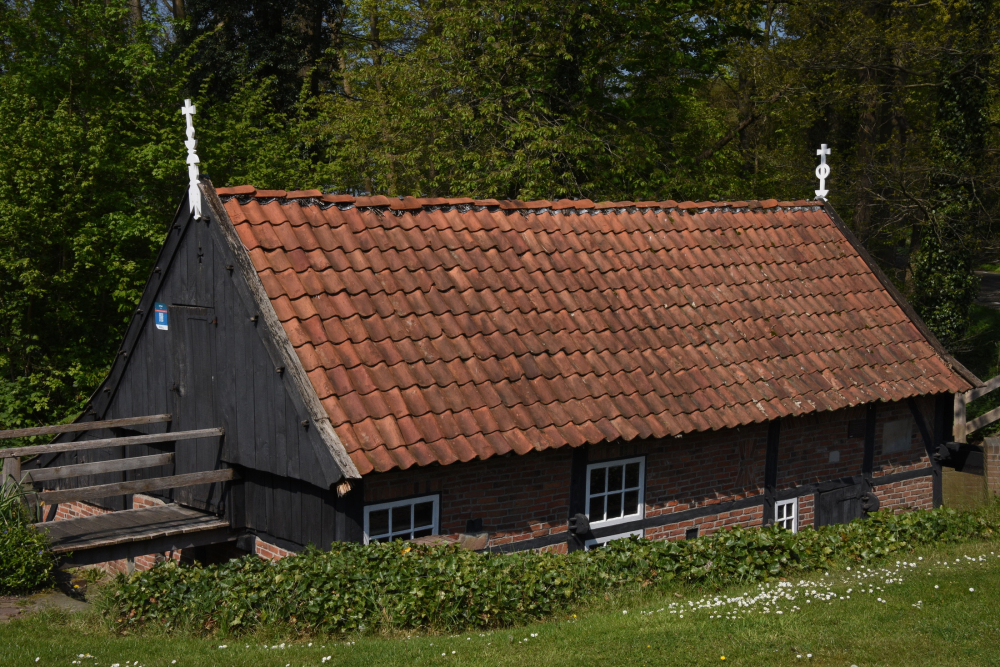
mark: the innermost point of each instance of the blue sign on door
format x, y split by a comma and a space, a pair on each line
160, 309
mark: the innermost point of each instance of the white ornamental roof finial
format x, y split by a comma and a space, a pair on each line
822, 171
194, 194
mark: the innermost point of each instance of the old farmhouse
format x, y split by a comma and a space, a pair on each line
513, 375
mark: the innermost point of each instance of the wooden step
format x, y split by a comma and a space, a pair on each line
131, 526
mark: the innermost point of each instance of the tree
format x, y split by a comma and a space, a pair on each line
86, 185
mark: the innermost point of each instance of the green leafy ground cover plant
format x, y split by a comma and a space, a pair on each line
356, 588
26, 563
936, 606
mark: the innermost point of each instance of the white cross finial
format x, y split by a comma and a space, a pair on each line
822, 171
194, 194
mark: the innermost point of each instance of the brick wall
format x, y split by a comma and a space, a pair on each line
909, 494
269, 551
524, 497
991, 460
519, 498
750, 516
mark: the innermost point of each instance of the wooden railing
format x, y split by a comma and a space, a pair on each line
12, 460
962, 428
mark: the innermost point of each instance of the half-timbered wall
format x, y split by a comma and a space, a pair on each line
705, 481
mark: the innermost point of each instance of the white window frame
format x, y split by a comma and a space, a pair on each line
411, 502
601, 541
641, 460
792, 517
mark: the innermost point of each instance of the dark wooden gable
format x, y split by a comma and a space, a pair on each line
217, 365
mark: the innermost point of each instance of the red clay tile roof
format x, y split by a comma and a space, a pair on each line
444, 330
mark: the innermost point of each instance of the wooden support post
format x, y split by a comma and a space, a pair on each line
958, 430
771, 470
11, 469
577, 493
351, 514
868, 457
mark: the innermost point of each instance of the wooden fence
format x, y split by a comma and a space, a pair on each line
12, 460
961, 428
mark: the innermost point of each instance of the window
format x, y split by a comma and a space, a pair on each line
401, 519
897, 436
615, 491
786, 514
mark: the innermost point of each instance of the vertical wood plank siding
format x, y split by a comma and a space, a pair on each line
249, 398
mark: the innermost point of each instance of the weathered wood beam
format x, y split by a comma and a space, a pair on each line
958, 427
111, 442
11, 471
981, 421
117, 465
990, 385
138, 486
83, 426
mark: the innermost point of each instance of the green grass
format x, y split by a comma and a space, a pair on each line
951, 626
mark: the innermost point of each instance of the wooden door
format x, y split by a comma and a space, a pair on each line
192, 332
841, 505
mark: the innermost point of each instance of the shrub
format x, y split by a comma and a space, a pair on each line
25, 560
361, 587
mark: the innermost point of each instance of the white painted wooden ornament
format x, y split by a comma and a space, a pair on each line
822, 171
194, 194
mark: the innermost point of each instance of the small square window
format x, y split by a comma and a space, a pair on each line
615, 491
401, 519
786, 514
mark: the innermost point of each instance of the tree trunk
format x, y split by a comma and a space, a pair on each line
135, 11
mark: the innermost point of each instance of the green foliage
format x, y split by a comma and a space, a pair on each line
944, 287
354, 588
526, 99
25, 560
85, 193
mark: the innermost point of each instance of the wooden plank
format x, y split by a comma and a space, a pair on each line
343, 466
145, 546
958, 427
296, 439
11, 469
83, 426
989, 386
137, 486
981, 421
64, 472
112, 442
128, 526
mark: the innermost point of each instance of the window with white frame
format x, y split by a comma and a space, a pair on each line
615, 491
401, 519
786, 514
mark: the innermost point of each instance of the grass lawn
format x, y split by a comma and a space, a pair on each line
921, 612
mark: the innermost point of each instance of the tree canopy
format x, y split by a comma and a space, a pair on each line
523, 99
